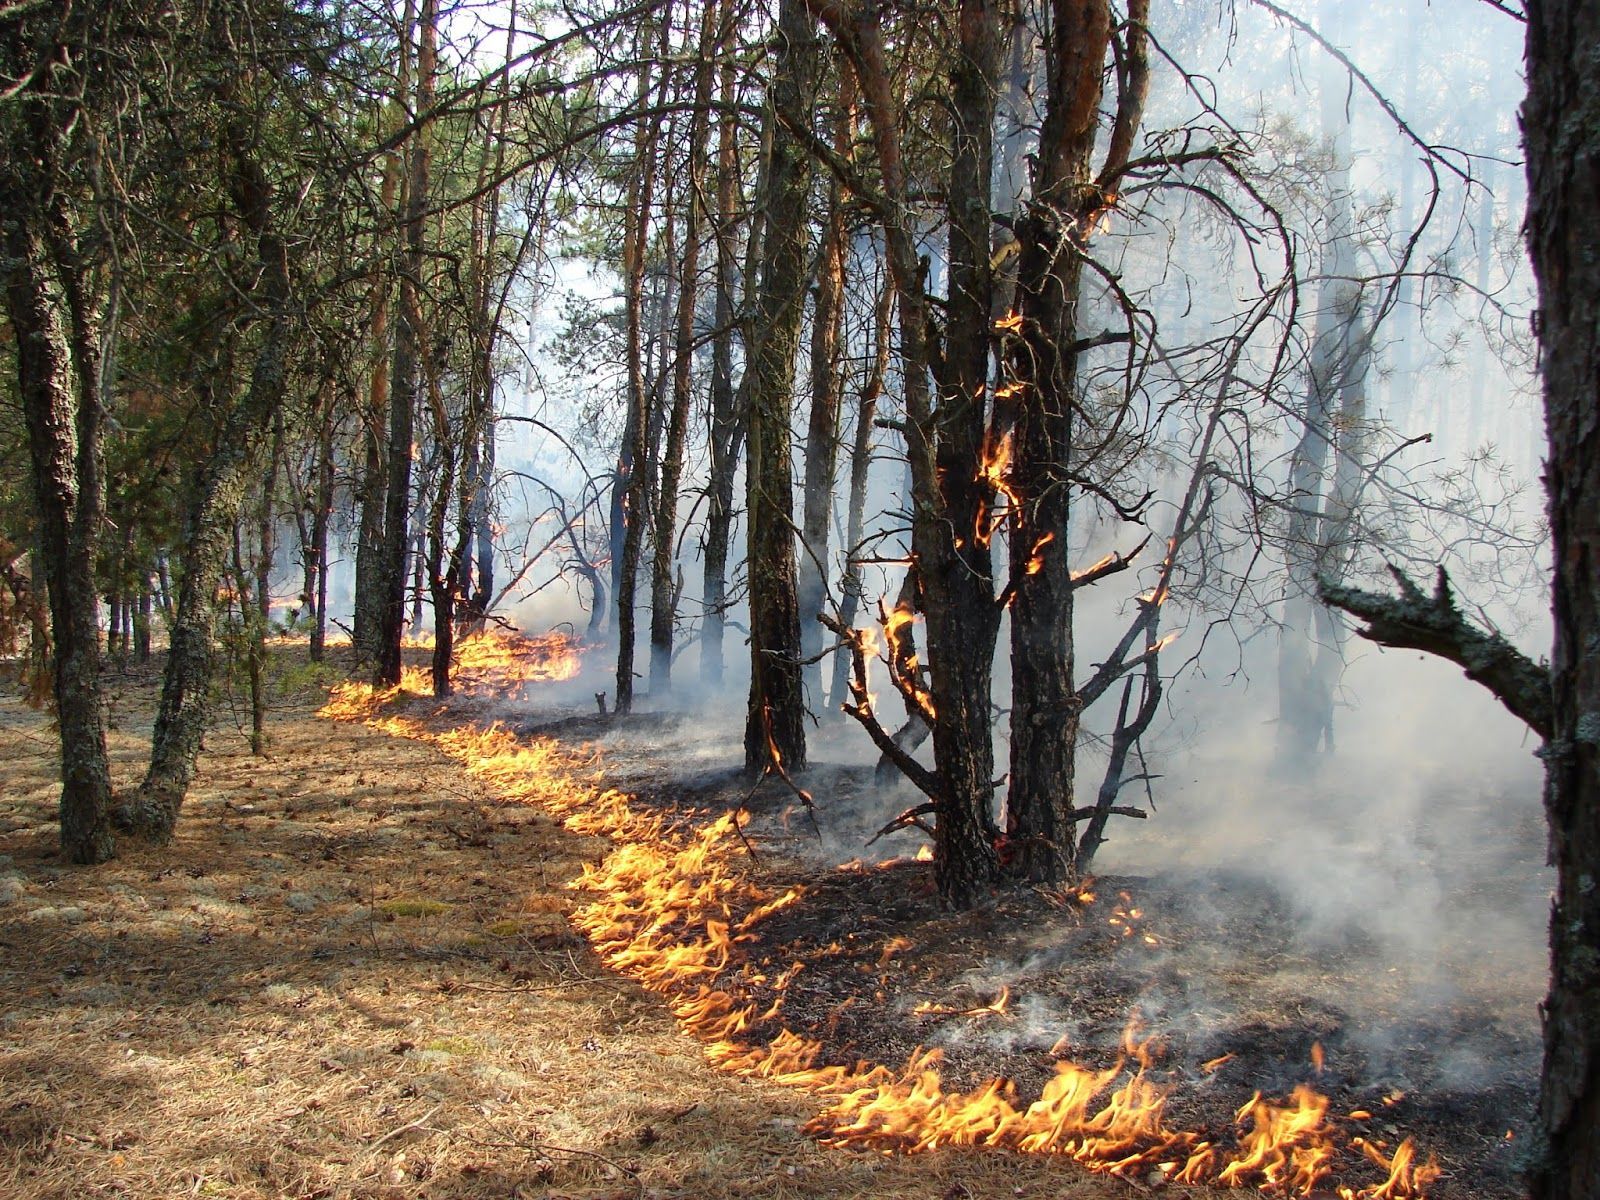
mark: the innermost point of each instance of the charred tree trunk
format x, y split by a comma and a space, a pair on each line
1043, 360
949, 495
1563, 140
775, 718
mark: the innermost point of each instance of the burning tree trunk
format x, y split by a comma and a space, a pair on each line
950, 492
1068, 201
774, 723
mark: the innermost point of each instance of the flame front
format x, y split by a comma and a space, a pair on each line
680, 912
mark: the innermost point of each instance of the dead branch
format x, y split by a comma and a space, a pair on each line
1413, 620
1116, 810
923, 779
1109, 565
906, 820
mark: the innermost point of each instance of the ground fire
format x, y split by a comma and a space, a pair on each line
679, 908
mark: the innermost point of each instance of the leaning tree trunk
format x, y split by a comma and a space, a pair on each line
775, 718
214, 495
1563, 138
51, 324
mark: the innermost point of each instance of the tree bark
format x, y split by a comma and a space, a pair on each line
1561, 122
663, 593
635, 486
727, 425
775, 718
410, 341
822, 428
57, 382
212, 502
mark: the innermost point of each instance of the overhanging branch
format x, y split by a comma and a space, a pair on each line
1414, 620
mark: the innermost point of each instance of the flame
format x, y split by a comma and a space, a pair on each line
677, 908
995, 1007
1036, 556
1097, 567
901, 658
1010, 323
993, 469
1318, 1057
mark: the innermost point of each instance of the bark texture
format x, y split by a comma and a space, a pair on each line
1562, 127
774, 722
61, 408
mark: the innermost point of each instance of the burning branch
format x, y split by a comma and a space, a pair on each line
1414, 620
855, 640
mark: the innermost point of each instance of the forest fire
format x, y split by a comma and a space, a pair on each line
681, 911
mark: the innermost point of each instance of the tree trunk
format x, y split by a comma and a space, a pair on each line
860, 464
410, 341
822, 429
1043, 362
211, 507
317, 599
727, 425
641, 192
663, 594
1563, 142
1310, 640
372, 488
774, 721
57, 384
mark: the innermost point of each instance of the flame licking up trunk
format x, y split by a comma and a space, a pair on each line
680, 911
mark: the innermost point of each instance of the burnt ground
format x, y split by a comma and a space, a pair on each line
1215, 964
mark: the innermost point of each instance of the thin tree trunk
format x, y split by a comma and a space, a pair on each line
633, 514
410, 341
663, 594
822, 429
727, 425
860, 465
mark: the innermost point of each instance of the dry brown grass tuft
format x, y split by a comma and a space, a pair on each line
351, 976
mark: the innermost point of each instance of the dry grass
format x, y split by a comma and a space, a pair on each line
351, 976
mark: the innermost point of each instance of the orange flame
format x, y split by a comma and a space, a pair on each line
665, 907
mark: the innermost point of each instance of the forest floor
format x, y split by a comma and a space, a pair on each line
352, 975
